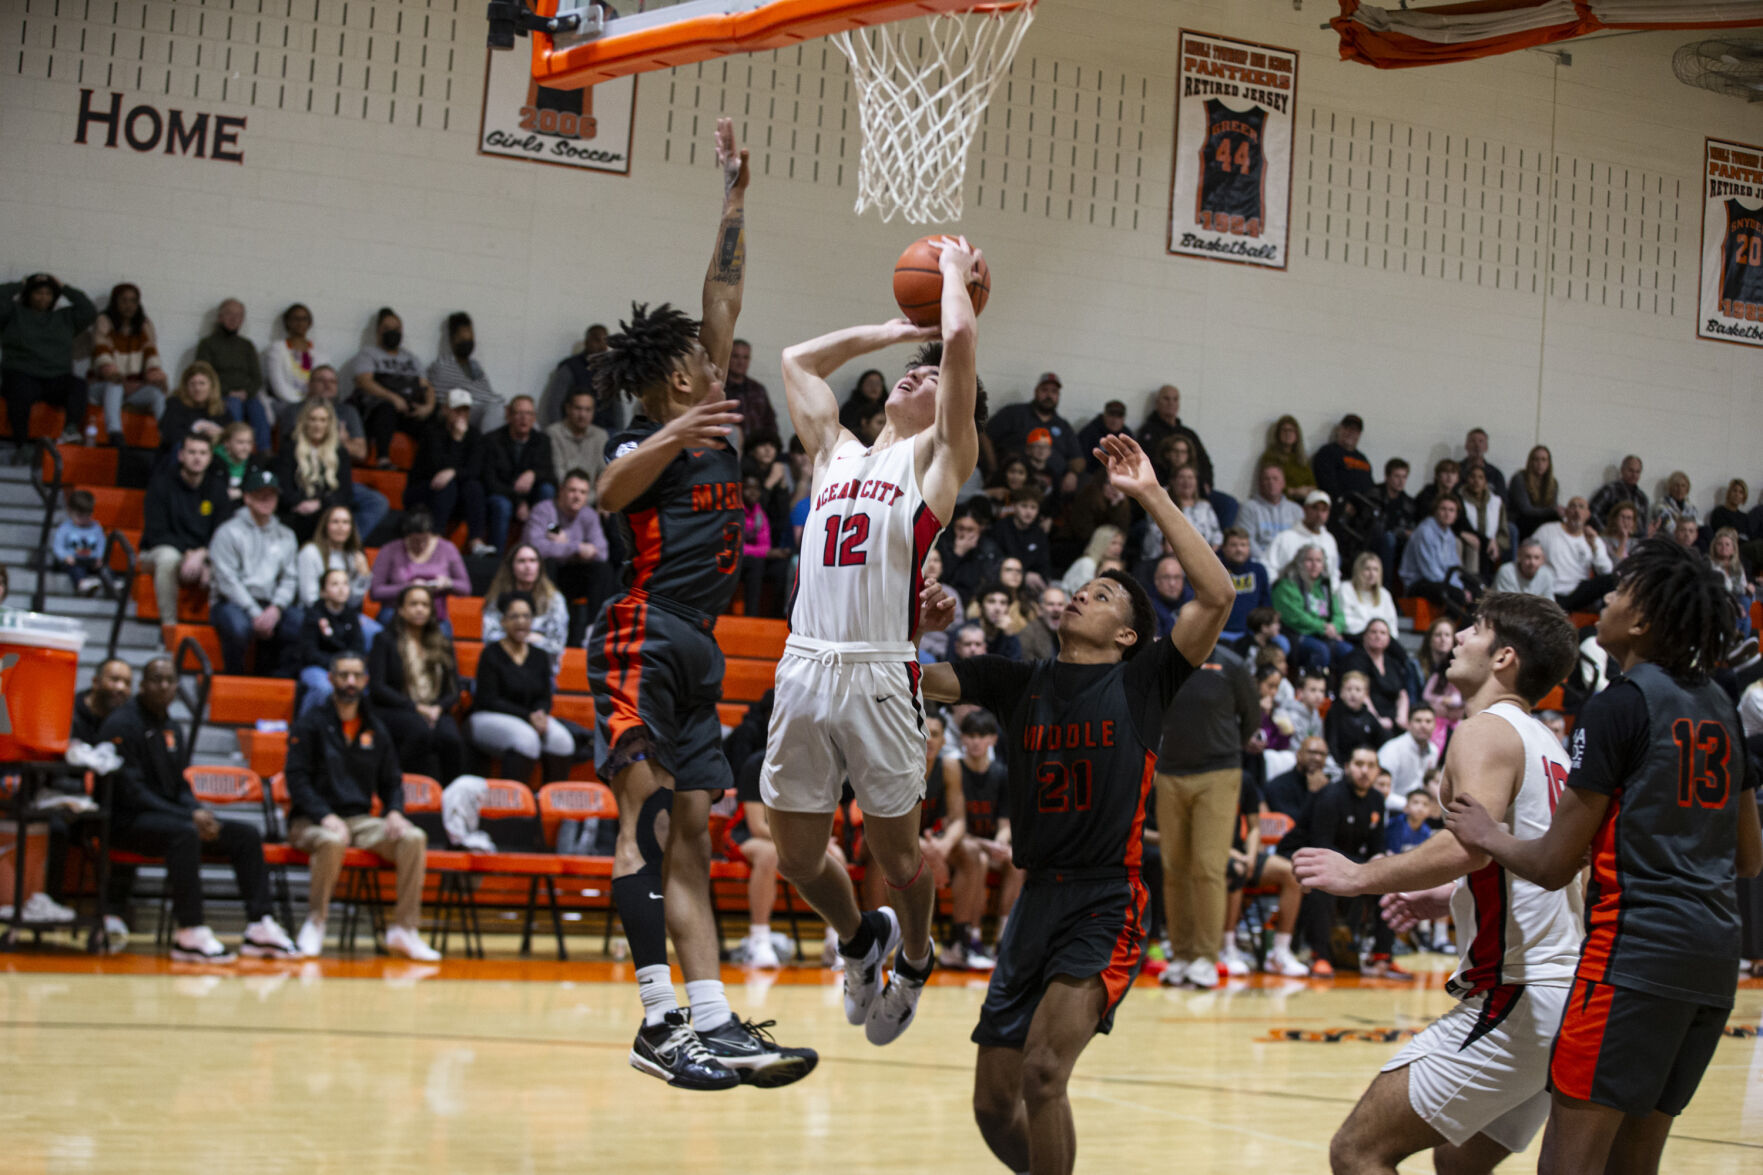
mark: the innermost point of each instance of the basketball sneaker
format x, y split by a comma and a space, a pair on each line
1232, 960
760, 952
1383, 967
892, 1012
671, 1051
197, 944
265, 939
1283, 962
1202, 973
756, 1058
863, 974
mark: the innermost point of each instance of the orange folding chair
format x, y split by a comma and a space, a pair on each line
513, 805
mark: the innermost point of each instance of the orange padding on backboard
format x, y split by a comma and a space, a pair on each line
770, 26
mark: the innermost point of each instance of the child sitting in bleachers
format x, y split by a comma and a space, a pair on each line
78, 544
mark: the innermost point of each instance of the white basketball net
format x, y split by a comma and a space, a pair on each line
921, 87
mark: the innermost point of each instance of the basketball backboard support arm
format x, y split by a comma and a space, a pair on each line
512, 18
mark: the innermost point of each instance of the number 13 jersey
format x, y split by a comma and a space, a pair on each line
863, 549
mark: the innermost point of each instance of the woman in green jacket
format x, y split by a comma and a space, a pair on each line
1310, 610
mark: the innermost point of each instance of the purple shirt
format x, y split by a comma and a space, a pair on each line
561, 545
393, 568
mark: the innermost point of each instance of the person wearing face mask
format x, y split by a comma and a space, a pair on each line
234, 359
454, 367
390, 389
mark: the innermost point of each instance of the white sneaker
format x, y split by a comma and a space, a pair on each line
1202, 973
311, 940
760, 952
479, 549
863, 977
401, 940
1283, 962
893, 1011
40, 907
116, 935
829, 952
197, 944
1175, 974
1234, 963
784, 945
265, 939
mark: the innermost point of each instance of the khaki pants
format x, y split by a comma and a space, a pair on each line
1195, 815
166, 564
408, 854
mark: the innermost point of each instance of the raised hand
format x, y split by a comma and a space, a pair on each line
955, 255
1129, 470
705, 423
902, 330
731, 157
936, 607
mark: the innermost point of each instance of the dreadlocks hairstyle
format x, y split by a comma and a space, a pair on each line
645, 352
931, 355
1689, 614
1144, 620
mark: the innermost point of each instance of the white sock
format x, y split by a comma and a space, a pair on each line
1282, 943
710, 1009
655, 988
759, 931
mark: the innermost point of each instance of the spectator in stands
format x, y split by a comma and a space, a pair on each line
76, 546
333, 625
1731, 511
414, 685
369, 504
1110, 422
1199, 777
125, 359
1291, 792
1409, 757
1626, 488
1348, 817
1011, 475
1040, 639
1255, 863
1185, 489
575, 373
994, 602
1531, 497
1385, 667
1351, 722
341, 757
1097, 503
1344, 473
1482, 524
196, 406
234, 457
1396, 516
750, 836
1165, 421
1169, 593
1447, 477
455, 368
112, 683
1580, 562
869, 427
313, 469
1254, 589
153, 811
517, 469
1108, 542
335, 546
1310, 531
1445, 699
1475, 455
1172, 453
1010, 428
970, 557
447, 475
1364, 598
760, 459
288, 363
1528, 572
390, 388
1686, 531
567, 534
867, 394
1018, 534
578, 443
523, 572
1024, 604
757, 414
256, 578
1285, 448
1622, 531
36, 354
511, 699
184, 506
969, 641
1723, 553
1432, 566
1268, 512
1310, 610
763, 559
423, 560
1674, 504
234, 359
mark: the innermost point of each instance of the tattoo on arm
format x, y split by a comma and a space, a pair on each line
731, 250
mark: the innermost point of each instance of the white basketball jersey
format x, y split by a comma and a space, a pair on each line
1511, 931
863, 549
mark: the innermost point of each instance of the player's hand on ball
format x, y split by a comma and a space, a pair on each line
936, 607
955, 254
703, 423
1405, 911
902, 330
1470, 823
731, 157
1327, 871
1129, 470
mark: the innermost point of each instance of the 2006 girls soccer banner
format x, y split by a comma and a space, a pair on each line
1231, 195
1730, 308
588, 128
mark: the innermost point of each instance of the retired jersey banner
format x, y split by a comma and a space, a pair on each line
588, 128
1231, 195
1731, 305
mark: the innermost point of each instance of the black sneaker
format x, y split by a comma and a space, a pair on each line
749, 1050
671, 1051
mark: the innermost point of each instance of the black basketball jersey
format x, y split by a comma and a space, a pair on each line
1232, 170
1661, 908
982, 794
684, 532
1080, 743
1741, 263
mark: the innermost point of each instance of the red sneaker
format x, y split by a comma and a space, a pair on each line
1383, 967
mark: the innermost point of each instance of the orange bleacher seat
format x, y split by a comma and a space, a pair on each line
731, 713
265, 751
746, 680
192, 602
403, 452
744, 636
570, 800
572, 678
202, 634
1553, 700
573, 708
467, 615
465, 656
1583, 619
1422, 612
242, 701
389, 482
140, 430
84, 467
48, 421
116, 509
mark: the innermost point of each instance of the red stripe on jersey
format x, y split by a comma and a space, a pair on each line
646, 538
1135, 840
1487, 950
1128, 944
624, 679
1573, 1065
1603, 918
925, 529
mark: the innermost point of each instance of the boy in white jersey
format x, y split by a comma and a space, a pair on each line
847, 687
1472, 1086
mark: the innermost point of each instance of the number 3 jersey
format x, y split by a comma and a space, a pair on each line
1081, 744
684, 532
1509, 930
863, 549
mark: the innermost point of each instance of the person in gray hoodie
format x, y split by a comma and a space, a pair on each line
253, 558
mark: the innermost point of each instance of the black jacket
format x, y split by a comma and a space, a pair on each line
966, 574
181, 517
287, 475
317, 645
437, 451
1214, 713
153, 759
506, 459
1347, 730
86, 724
1350, 824
179, 420
1028, 544
502, 687
1341, 472
385, 674
327, 773
1154, 432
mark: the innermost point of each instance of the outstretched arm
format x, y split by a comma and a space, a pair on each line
726, 277
1553, 859
955, 435
814, 409
628, 476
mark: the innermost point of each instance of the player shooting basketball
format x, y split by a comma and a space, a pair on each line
847, 688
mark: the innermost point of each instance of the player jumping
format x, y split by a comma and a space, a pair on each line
847, 689
1081, 738
656, 671
1657, 794
1472, 1086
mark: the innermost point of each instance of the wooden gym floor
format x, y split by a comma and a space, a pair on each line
137, 1064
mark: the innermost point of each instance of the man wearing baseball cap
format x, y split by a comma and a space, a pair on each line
1110, 423
1310, 530
1010, 427
252, 561
1346, 475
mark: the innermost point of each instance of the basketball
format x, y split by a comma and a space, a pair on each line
918, 283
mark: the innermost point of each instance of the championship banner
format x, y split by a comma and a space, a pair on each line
589, 128
1730, 308
1231, 194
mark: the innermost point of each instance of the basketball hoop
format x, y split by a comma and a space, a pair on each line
921, 87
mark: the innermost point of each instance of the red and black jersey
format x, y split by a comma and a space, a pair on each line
982, 794
1233, 171
684, 531
1661, 907
1741, 263
1080, 743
